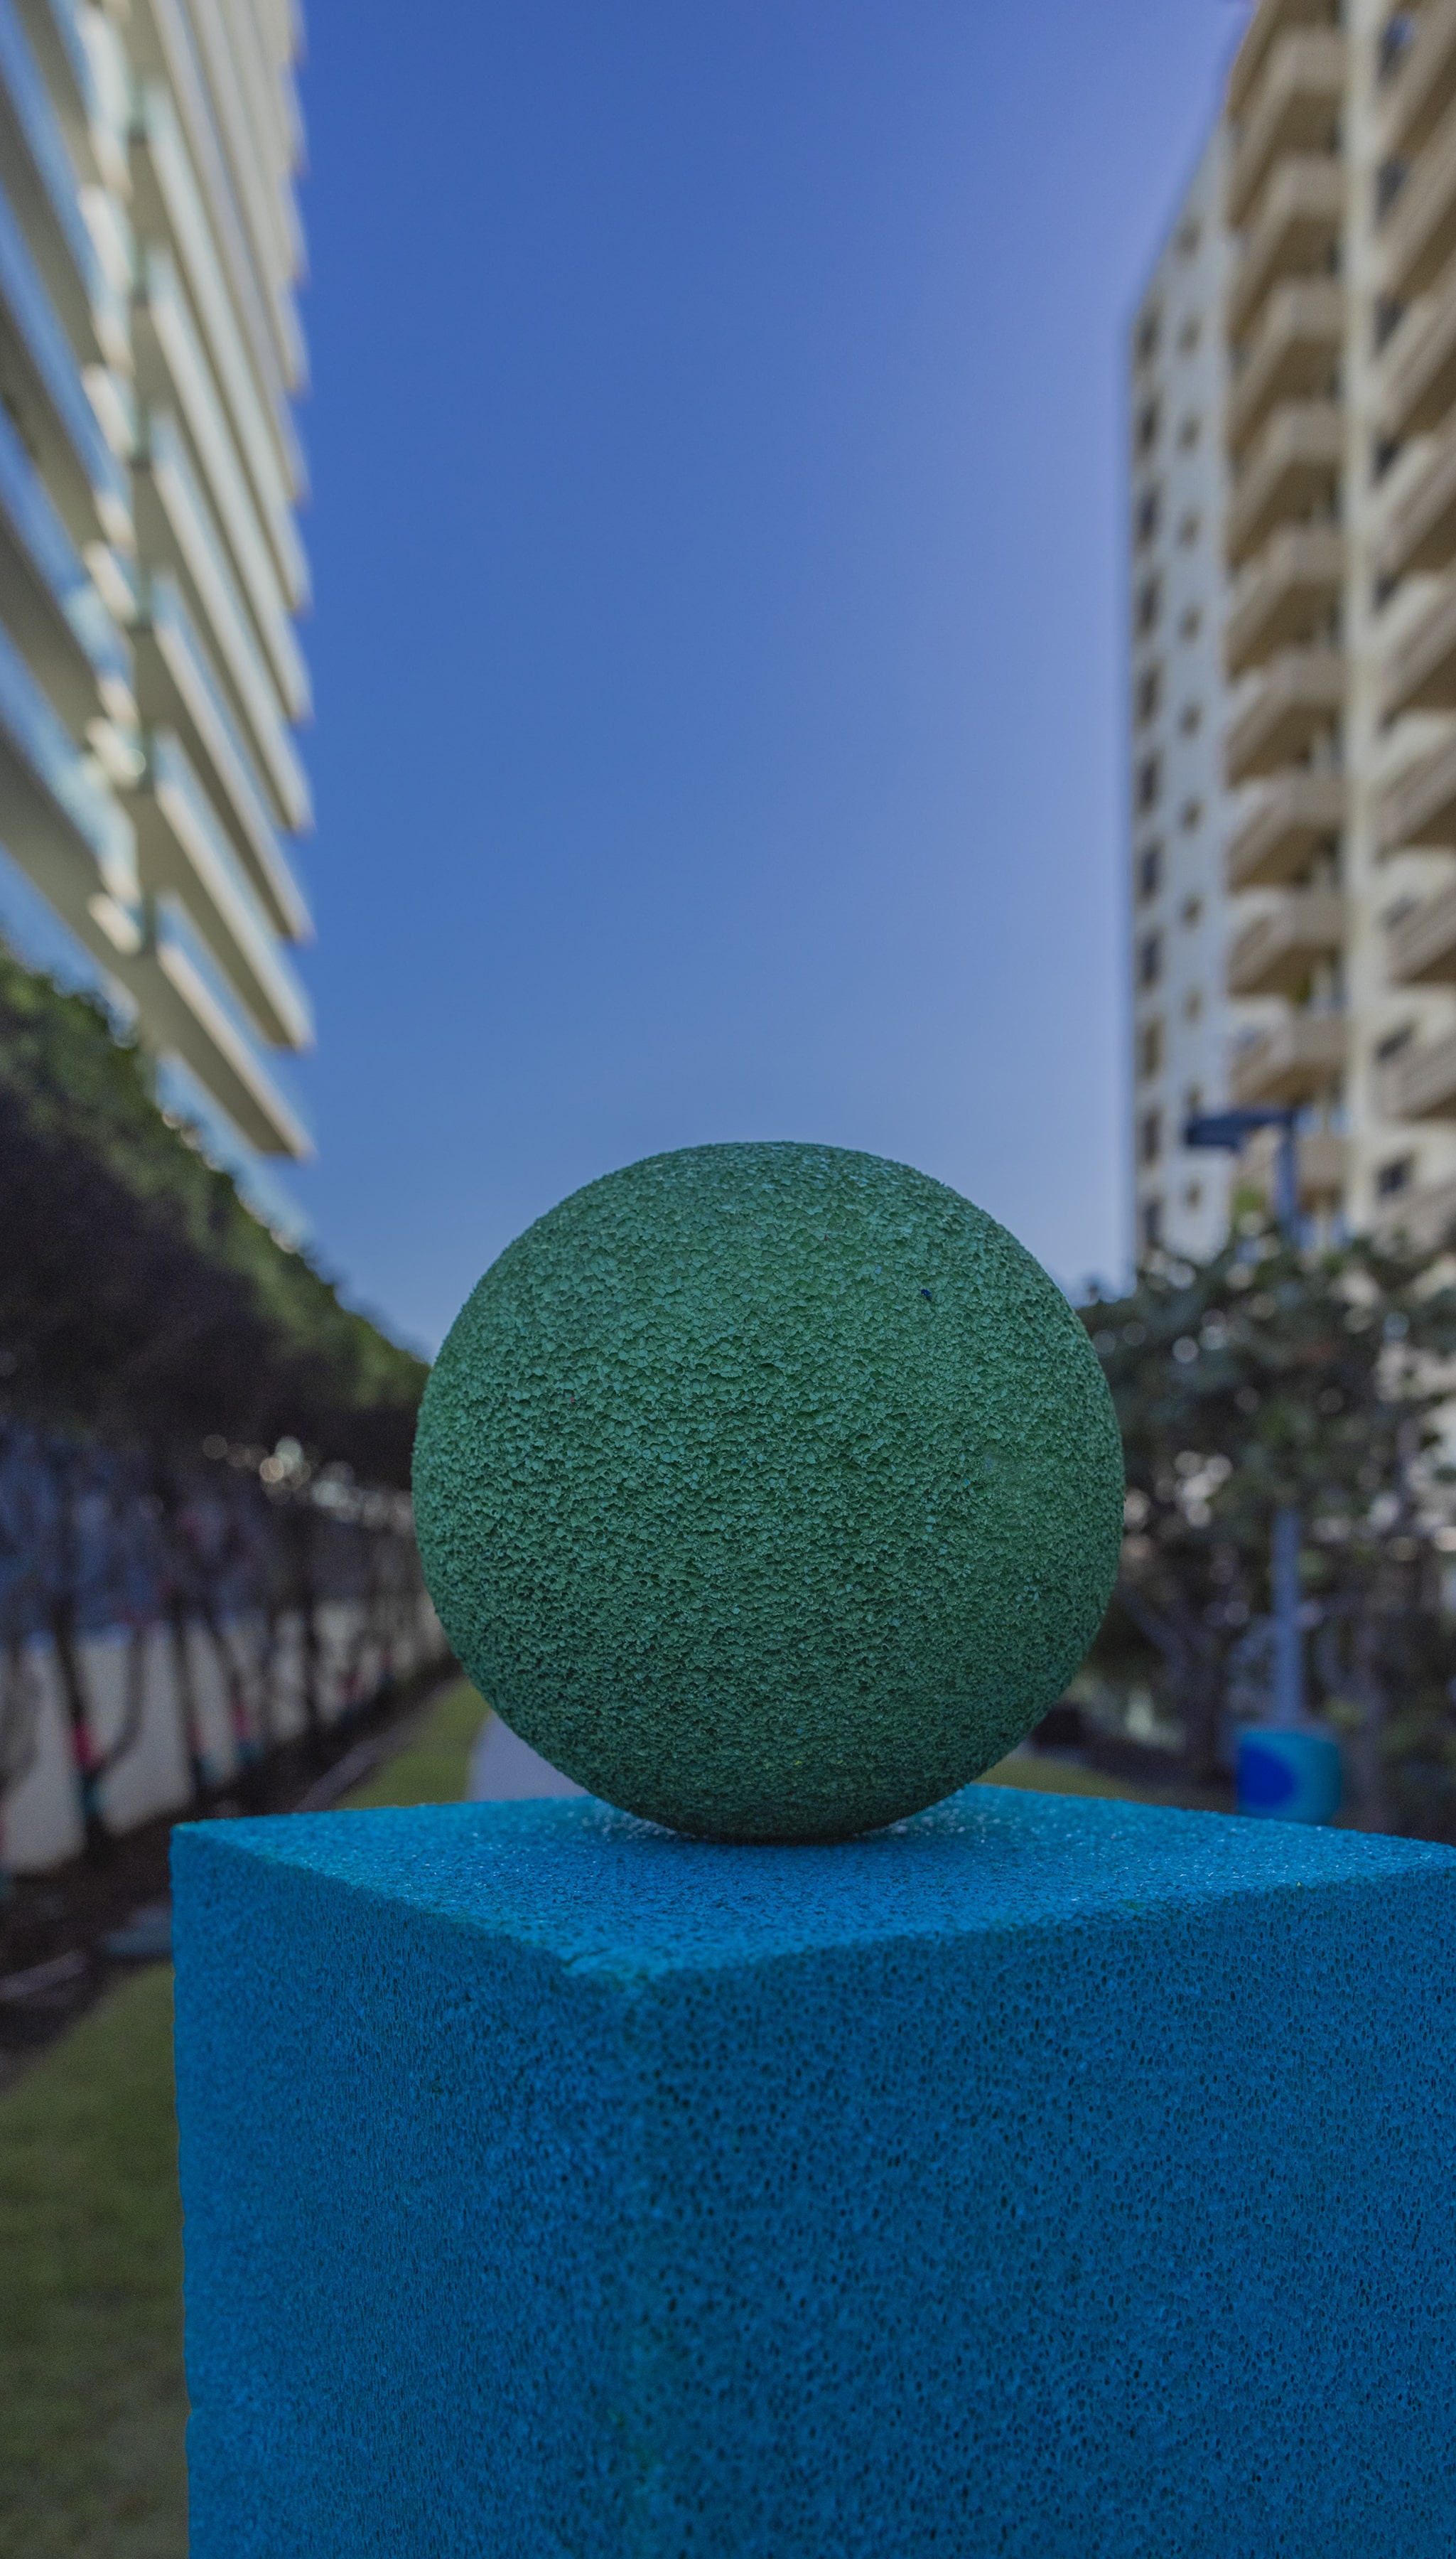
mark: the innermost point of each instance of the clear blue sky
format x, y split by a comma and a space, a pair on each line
716, 437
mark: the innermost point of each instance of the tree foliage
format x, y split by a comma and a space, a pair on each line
138, 1295
1275, 1378
195, 1434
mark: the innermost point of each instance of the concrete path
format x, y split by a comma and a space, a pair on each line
503, 1768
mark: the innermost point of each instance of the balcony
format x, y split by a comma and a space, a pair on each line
53, 611
168, 204
1418, 233
175, 525
1421, 528
178, 690
1296, 235
1300, 696
1295, 106
1321, 1165
1298, 1059
1297, 817
44, 195
184, 1099
1285, 594
1418, 808
1293, 354
1426, 1217
60, 825
1274, 955
48, 403
1420, 673
183, 848
190, 1007
1420, 945
1421, 1083
1425, 83
173, 371
1271, 20
1292, 473
1420, 367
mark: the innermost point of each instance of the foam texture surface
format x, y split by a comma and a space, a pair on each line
773, 1491
1053, 2179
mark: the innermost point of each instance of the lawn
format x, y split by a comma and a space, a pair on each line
92, 2406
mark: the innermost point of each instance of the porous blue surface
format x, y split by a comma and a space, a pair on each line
1040, 2177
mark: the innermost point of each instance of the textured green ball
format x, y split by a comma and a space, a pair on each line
771, 1492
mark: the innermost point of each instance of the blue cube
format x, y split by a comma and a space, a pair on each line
1039, 2177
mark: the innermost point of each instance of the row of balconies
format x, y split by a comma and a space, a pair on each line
146, 765
1305, 1054
1279, 950
1294, 107
1419, 537
1287, 317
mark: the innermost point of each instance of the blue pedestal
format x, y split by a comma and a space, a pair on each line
1043, 2176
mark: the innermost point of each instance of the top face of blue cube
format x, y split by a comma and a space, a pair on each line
619, 1899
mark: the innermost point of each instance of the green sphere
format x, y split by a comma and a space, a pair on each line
769, 1491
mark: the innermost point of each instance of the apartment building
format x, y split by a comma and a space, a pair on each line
1319, 238
150, 679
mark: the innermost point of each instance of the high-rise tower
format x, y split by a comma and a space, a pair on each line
150, 565
1327, 207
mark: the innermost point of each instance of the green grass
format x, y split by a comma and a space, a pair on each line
1041, 1774
92, 2406
435, 1767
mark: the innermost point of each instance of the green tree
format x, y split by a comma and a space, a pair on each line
1273, 1378
159, 1349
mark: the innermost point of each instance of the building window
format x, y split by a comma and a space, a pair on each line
1191, 719
1150, 960
1188, 336
1149, 782
1149, 871
1188, 434
1149, 693
1152, 1225
1192, 910
1190, 816
1392, 1043
1149, 602
1192, 1004
1193, 1195
1395, 1177
1147, 337
1149, 1051
1147, 426
1189, 237
1188, 529
1191, 624
1150, 1137
1149, 511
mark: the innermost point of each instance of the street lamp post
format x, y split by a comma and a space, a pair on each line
1227, 1129
1296, 1777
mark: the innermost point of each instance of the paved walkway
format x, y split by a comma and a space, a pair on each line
503, 1768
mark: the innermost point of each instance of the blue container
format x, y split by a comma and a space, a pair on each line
1289, 1777
1044, 2177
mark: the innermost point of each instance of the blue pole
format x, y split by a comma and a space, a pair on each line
1286, 1181
1289, 1680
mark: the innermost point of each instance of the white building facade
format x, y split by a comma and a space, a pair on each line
151, 680
1325, 216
